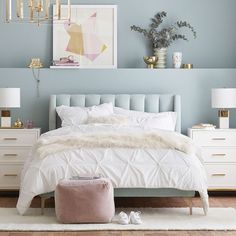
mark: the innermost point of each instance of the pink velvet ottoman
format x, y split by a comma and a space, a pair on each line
84, 201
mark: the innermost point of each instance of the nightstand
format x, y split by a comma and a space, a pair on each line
219, 153
15, 145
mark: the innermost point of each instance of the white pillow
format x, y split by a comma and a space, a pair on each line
112, 119
162, 120
72, 116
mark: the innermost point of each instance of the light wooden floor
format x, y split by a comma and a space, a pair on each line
215, 201
124, 233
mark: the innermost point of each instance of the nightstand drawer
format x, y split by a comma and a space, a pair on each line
10, 176
221, 175
215, 138
222, 155
17, 138
14, 154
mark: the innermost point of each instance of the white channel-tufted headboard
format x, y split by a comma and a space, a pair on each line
139, 102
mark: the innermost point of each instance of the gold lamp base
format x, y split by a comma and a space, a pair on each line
223, 113
223, 119
5, 119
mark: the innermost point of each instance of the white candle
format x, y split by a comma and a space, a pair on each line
18, 8
8, 10
58, 7
21, 9
69, 9
39, 6
31, 5
47, 6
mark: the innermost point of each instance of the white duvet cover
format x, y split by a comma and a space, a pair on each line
168, 166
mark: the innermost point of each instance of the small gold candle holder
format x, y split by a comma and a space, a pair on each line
187, 66
18, 124
150, 61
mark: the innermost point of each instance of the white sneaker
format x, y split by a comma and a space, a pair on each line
123, 218
135, 218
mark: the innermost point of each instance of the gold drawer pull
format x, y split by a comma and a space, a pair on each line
10, 139
10, 155
218, 155
219, 175
218, 139
10, 175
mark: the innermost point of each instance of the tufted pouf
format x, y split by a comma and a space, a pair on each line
84, 201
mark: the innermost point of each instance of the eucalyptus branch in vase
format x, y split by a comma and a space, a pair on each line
161, 39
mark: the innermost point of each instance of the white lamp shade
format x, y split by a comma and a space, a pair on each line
9, 97
223, 98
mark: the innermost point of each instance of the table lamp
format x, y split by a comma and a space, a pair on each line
224, 99
9, 98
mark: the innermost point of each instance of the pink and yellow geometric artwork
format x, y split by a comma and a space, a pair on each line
83, 39
90, 36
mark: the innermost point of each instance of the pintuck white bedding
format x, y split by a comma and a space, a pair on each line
135, 157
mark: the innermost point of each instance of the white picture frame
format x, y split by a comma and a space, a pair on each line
98, 47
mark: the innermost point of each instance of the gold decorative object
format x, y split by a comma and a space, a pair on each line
36, 65
38, 11
187, 66
150, 61
18, 124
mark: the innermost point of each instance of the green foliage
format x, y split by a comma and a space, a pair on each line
166, 36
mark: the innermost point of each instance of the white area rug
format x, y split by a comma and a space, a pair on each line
153, 219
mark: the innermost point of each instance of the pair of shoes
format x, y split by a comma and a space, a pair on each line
133, 218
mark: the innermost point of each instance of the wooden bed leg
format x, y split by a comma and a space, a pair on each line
43, 199
190, 205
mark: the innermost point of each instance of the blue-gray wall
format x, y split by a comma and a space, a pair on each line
214, 21
194, 86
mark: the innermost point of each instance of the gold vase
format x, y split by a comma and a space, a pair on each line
150, 61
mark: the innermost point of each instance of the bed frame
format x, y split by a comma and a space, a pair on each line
139, 102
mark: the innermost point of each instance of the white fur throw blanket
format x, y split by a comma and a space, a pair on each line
153, 140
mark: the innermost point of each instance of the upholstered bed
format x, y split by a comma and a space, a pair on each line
138, 102
146, 103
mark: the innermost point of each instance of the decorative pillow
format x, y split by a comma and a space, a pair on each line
113, 119
71, 116
162, 120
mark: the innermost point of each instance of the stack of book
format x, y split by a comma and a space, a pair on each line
204, 126
65, 63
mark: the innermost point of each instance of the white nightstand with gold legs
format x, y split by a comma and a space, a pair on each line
15, 145
219, 152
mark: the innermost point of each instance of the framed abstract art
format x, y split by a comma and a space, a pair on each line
90, 36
